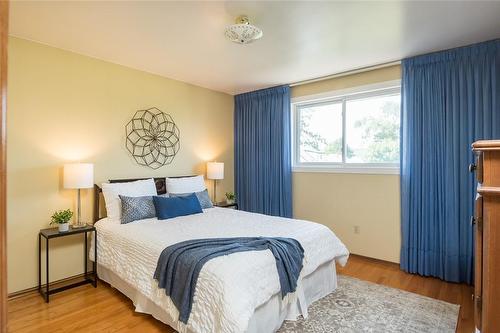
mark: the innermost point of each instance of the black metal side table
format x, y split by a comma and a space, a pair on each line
54, 233
224, 204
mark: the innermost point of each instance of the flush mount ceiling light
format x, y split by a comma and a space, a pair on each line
242, 32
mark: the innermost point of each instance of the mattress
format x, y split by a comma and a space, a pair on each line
229, 288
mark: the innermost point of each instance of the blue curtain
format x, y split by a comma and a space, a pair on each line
449, 100
263, 171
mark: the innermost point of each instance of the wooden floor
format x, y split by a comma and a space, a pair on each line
85, 309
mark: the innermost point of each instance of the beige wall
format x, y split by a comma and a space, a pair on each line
67, 107
343, 201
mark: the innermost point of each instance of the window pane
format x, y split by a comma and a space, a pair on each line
320, 133
372, 129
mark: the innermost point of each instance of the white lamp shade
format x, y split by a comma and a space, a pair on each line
215, 170
78, 175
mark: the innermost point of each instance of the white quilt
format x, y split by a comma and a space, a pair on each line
229, 288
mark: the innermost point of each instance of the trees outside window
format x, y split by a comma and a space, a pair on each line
361, 130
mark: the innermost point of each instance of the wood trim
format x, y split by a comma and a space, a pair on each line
488, 190
483, 145
4, 25
478, 262
53, 284
487, 239
376, 260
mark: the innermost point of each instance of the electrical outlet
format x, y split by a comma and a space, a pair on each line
356, 229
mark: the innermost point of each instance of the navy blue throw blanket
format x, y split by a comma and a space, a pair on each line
179, 265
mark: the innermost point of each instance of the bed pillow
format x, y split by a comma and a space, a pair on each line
137, 208
111, 192
185, 184
202, 196
167, 208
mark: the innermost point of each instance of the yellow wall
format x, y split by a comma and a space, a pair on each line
343, 201
67, 107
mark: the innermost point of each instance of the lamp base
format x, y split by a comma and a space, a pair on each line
215, 191
78, 223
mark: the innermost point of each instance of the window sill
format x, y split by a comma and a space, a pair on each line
348, 169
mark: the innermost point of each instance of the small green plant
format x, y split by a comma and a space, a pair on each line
230, 196
61, 217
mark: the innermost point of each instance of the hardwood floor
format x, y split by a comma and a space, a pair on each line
85, 309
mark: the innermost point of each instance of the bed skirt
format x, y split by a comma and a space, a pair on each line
268, 317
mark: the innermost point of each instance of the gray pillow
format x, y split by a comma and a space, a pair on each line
137, 208
202, 196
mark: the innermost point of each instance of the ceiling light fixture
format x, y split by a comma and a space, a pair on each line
242, 32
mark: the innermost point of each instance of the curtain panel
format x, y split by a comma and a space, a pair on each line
449, 100
263, 170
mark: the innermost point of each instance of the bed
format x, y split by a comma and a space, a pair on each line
235, 293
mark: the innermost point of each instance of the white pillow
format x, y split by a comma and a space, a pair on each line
111, 192
185, 185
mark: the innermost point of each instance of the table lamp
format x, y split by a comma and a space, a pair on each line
78, 176
215, 171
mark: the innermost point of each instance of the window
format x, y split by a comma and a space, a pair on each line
352, 132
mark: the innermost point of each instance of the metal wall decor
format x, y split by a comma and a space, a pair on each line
152, 138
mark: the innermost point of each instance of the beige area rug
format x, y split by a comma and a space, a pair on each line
360, 306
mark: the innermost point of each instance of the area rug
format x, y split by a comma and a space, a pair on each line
360, 306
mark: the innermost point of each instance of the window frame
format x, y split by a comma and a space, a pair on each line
343, 96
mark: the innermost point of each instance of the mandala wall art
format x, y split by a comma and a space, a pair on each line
152, 138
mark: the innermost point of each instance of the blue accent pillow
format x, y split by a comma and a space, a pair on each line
202, 196
137, 208
167, 208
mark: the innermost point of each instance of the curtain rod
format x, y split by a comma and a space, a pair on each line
350, 72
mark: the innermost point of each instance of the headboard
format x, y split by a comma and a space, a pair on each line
160, 189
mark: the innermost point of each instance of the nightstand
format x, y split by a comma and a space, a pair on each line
54, 233
223, 204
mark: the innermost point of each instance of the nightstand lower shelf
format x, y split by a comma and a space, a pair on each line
65, 287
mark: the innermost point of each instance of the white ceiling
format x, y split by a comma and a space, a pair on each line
302, 40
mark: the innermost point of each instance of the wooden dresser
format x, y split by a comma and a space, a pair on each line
487, 236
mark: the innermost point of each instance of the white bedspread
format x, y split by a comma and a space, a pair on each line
229, 288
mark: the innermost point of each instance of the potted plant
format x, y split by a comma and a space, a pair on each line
230, 198
61, 218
